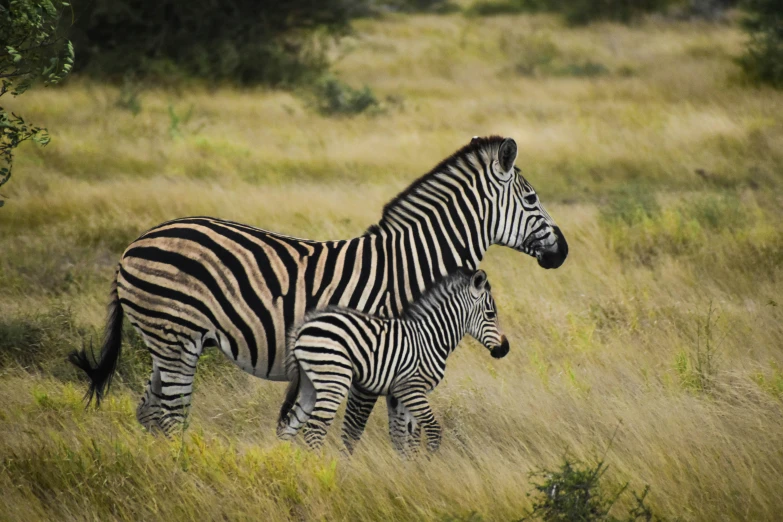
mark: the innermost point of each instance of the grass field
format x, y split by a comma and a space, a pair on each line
664, 325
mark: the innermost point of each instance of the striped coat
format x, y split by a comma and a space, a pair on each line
197, 282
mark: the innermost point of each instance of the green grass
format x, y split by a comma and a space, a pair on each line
664, 173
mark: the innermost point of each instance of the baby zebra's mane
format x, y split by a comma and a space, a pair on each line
440, 292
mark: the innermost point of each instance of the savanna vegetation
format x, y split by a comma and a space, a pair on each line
653, 353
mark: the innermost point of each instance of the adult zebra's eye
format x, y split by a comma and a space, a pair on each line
531, 199
490, 314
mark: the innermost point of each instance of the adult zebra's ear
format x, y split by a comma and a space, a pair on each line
478, 282
507, 155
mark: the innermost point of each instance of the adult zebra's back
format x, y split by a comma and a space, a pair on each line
195, 282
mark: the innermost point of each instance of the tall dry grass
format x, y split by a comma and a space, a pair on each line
665, 266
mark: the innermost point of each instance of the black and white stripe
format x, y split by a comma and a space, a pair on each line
337, 348
197, 282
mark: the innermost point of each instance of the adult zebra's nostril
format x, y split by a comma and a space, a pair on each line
554, 258
498, 352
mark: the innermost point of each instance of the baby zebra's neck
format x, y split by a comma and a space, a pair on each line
438, 320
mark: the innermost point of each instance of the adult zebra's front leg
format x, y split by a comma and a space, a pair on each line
413, 396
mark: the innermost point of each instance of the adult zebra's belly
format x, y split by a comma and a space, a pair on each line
174, 300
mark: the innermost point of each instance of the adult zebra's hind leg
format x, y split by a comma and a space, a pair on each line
360, 405
149, 411
176, 385
301, 401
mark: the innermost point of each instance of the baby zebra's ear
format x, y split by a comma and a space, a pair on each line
478, 281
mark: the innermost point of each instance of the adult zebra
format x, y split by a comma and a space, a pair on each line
196, 282
336, 348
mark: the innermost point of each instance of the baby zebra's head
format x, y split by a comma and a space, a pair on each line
483, 316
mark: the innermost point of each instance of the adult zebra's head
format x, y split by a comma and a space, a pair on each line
516, 218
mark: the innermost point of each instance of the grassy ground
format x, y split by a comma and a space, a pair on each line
664, 324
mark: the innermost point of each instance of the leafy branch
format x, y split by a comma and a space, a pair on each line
32, 51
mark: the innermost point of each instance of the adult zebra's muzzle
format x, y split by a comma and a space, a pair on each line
554, 256
498, 352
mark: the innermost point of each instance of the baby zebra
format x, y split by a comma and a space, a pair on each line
406, 357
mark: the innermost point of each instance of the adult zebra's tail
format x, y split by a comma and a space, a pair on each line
101, 375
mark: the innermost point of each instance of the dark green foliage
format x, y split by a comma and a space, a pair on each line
501, 7
245, 41
30, 51
575, 12
421, 6
763, 61
575, 493
580, 12
586, 69
334, 98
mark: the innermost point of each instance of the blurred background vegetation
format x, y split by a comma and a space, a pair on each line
653, 131
284, 44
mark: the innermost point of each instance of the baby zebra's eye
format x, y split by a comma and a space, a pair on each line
531, 199
490, 314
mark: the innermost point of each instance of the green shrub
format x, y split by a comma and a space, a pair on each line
532, 55
698, 368
586, 69
763, 60
575, 493
333, 97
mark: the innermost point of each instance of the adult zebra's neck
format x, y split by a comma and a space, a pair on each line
434, 228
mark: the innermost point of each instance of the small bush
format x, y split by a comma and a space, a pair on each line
336, 98
587, 69
575, 493
698, 367
532, 55
537, 55
763, 60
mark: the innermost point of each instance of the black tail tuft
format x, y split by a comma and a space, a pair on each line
101, 375
290, 394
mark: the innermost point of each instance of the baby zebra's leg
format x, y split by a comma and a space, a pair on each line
331, 387
325, 372
413, 397
360, 405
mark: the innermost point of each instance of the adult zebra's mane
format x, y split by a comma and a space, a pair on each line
476, 145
